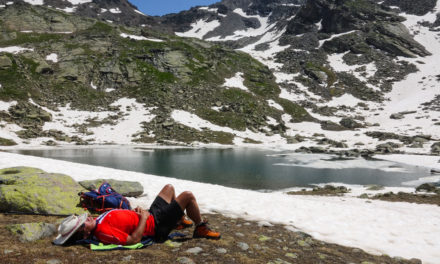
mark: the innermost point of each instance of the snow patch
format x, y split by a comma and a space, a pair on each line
34, 2
208, 9
68, 9
199, 29
15, 49
321, 42
4, 106
52, 57
139, 37
139, 12
236, 82
275, 105
78, 2
115, 10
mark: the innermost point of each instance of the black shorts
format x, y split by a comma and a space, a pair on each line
166, 215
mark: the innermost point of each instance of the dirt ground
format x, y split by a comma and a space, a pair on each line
242, 242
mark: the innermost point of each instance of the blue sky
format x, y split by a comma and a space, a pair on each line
162, 7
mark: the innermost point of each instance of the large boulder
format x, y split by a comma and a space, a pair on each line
5, 62
31, 190
30, 232
126, 188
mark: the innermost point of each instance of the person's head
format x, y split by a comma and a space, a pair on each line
74, 226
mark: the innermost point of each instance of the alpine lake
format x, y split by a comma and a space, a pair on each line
241, 167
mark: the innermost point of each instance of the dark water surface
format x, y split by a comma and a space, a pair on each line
240, 168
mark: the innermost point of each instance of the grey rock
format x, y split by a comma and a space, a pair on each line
435, 148
51, 193
127, 258
278, 261
30, 232
243, 246
185, 260
264, 224
375, 187
194, 250
5, 62
426, 187
349, 123
126, 188
397, 116
54, 261
221, 250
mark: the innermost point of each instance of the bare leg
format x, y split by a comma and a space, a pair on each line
187, 201
167, 193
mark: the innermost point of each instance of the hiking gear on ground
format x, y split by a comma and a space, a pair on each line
68, 227
103, 199
203, 231
96, 245
184, 223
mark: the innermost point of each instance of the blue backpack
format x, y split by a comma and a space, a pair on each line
103, 199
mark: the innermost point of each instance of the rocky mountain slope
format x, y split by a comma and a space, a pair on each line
346, 76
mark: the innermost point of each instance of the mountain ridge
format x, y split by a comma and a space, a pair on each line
311, 54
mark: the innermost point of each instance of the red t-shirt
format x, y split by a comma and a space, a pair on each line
113, 227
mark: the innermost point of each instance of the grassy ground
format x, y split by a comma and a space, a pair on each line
242, 242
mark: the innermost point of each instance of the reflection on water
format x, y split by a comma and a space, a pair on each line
241, 168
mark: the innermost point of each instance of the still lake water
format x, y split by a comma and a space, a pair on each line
240, 168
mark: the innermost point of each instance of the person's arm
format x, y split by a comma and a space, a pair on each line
136, 236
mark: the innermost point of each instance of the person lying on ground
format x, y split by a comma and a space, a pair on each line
127, 227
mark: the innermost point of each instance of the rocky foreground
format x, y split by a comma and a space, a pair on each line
28, 226
242, 242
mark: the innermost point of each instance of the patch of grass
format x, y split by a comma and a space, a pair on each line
101, 28
227, 119
332, 78
29, 38
13, 83
297, 112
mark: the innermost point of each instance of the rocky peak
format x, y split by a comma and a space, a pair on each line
116, 11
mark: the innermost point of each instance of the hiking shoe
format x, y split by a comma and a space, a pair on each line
203, 231
183, 223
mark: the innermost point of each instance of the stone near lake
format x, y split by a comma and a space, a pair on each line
303, 243
239, 234
172, 244
30, 232
291, 255
185, 260
426, 187
194, 250
221, 250
31, 190
263, 238
374, 187
243, 246
126, 188
54, 261
264, 224
279, 261
127, 258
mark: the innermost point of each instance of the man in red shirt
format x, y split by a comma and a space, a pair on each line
127, 227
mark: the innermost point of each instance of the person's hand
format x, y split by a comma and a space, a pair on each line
141, 212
